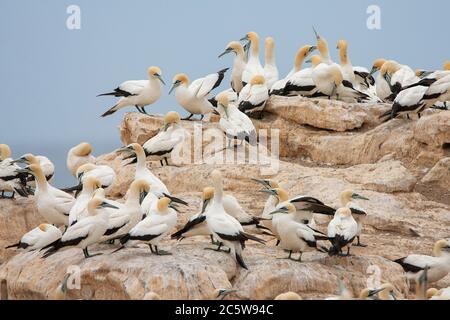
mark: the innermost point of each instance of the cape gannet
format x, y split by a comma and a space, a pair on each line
38, 238
224, 227
254, 96
10, 180
86, 232
103, 173
438, 264
342, 229
79, 155
79, 208
253, 66
48, 168
240, 61
138, 93
52, 204
194, 97
271, 73
346, 198
234, 123
154, 227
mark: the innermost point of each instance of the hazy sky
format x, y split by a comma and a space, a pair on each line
50, 75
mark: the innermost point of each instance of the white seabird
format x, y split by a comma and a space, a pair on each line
138, 93
154, 227
438, 264
271, 73
342, 229
38, 238
234, 123
194, 97
79, 208
295, 236
103, 173
79, 155
9, 178
254, 96
253, 66
358, 213
224, 227
240, 61
48, 168
52, 204
87, 231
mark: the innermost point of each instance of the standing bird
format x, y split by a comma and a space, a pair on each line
79, 155
47, 166
52, 204
79, 208
345, 63
383, 89
295, 236
398, 77
322, 46
234, 123
438, 264
103, 173
154, 227
224, 227
9, 178
270, 68
358, 213
194, 97
253, 66
87, 231
38, 238
171, 134
240, 61
343, 229
254, 96
138, 93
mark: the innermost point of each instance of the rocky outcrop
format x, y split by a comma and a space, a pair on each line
402, 166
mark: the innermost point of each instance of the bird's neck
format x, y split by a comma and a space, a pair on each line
140, 155
255, 49
343, 56
299, 58
269, 56
218, 192
41, 181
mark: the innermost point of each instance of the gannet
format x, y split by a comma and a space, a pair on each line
60, 292
439, 263
138, 93
397, 77
234, 123
232, 97
301, 82
387, 292
154, 227
295, 236
383, 90
278, 88
129, 214
254, 96
358, 213
288, 296
194, 97
343, 229
322, 46
435, 294
240, 61
38, 238
366, 83
224, 227
345, 294
9, 178
52, 204
87, 231
345, 63
79, 155
47, 166
270, 68
79, 208
253, 66
329, 81
103, 173
157, 187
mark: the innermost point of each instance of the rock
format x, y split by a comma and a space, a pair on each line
435, 130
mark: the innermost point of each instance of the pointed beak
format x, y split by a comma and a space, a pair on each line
281, 210
245, 38
174, 86
80, 176
358, 196
108, 205
174, 207
176, 200
124, 149
316, 33
205, 204
160, 78
265, 183
225, 292
227, 51
312, 49
373, 70
269, 191
374, 292
20, 160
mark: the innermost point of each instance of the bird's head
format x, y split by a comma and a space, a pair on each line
83, 169
285, 209
315, 60
97, 203
257, 80
155, 72
27, 159
178, 80
43, 227
233, 46
5, 152
377, 65
83, 149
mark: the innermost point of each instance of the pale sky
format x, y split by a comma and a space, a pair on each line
50, 75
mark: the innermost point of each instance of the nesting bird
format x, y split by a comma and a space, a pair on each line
343, 230
138, 93
48, 168
9, 178
38, 238
254, 96
79, 155
79, 208
103, 173
347, 198
193, 97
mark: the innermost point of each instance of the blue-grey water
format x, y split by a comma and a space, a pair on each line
50, 75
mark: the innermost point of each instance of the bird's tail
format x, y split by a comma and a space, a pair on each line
178, 235
50, 252
334, 250
53, 248
15, 245
240, 260
22, 191
111, 110
252, 237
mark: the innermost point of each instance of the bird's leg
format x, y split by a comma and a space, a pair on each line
278, 242
188, 118
348, 251
87, 255
151, 248
143, 110
407, 115
138, 109
418, 113
2, 194
300, 257
12, 195
162, 163
162, 252
358, 243
167, 162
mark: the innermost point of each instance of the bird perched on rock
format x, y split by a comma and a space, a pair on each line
343, 230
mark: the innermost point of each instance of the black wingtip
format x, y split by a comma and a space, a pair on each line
223, 70
241, 261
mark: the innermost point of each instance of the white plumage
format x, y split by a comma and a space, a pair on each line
253, 66
239, 63
343, 229
254, 96
271, 73
78, 156
38, 238
79, 208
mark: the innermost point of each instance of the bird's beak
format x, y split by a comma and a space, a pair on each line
124, 149
160, 78
393, 295
425, 73
374, 292
358, 196
108, 205
262, 181
20, 160
205, 204
227, 51
281, 210
316, 33
176, 200
174, 207
225, 292
174, 86
216, 112
245, 38
312, 49
308, 61
373, 70
80, 176
269, 191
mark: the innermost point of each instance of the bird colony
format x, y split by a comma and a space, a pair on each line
83, 215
